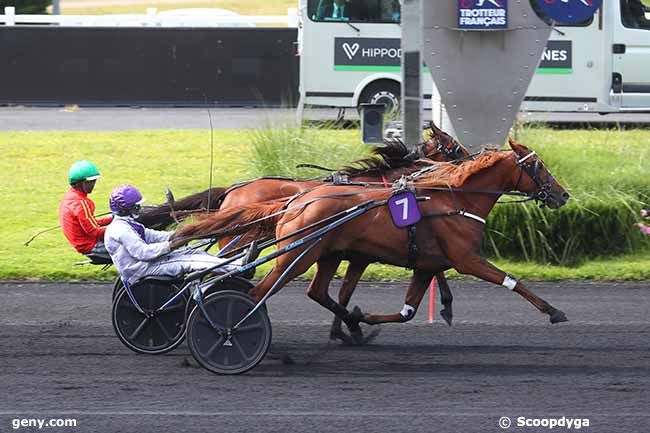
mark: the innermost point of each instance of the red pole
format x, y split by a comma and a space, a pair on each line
432, 298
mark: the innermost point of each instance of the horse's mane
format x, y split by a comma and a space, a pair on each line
454, 176
394, 154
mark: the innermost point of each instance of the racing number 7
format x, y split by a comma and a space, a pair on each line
404, 202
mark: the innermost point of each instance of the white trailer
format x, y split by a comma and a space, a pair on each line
602, 65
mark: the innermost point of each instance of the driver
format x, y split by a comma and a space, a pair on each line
138, 252
77, 211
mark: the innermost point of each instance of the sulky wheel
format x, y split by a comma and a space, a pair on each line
237, 284
227, 350
153, 332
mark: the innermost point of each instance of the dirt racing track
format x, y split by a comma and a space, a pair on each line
61, 359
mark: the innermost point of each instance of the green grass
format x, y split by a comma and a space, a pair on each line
247, 7
33, 171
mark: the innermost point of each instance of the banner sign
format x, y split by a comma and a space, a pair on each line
367, 54
482, 14
569, 11
557, 58
383, 54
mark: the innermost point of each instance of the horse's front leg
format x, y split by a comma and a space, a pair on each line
417, 288
473, 264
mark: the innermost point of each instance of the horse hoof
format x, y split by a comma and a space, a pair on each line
373, 334
447, 315
341, 335
557, 316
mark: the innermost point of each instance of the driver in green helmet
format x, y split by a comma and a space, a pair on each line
77, 212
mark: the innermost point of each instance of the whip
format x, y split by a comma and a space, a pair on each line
54, 228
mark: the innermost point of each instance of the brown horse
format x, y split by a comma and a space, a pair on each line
388, 164
440, 146
448, 236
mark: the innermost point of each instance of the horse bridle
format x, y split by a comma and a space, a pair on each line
532, 169
453, 153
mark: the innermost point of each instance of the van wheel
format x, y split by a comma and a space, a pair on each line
382, 92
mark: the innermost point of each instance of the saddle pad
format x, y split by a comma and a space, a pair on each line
404, 209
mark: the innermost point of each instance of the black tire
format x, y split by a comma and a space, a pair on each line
237, 284
162, 331
117, 286
385, 92
243, 349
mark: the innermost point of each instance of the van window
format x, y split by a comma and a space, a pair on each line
634, 14
364, 11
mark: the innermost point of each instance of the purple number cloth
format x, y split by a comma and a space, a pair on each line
404, 209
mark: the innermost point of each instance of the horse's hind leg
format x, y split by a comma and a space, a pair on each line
318, 291
446, 298
417, 288
352, 276
281, 264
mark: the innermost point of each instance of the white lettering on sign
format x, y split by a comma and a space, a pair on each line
381, 52
482, 12
555, 55
482, 17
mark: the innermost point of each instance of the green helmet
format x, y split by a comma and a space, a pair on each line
82, 170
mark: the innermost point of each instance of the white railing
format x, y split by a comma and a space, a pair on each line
153, 18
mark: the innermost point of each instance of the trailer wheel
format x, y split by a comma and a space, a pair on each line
385, 92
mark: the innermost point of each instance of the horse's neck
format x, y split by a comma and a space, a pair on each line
497, 178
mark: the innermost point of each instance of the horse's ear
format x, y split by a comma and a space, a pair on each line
514, 145
435, 130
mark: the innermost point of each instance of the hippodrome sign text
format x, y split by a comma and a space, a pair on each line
367, 53
482, 14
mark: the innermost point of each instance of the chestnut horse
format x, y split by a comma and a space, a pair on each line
440, 146
448, 236
388, 164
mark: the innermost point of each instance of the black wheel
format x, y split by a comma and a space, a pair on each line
385, 92
228, 351
237, 284
153, 332
117, 286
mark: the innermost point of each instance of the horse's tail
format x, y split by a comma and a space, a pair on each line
159, 217
257, 220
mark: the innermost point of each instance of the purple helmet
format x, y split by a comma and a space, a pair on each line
124, 198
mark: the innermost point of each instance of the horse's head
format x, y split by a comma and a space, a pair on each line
443, 147
533, 177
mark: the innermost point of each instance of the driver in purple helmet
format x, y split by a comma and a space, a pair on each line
138, 252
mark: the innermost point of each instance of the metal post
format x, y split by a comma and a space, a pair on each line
56, 7
411, 70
